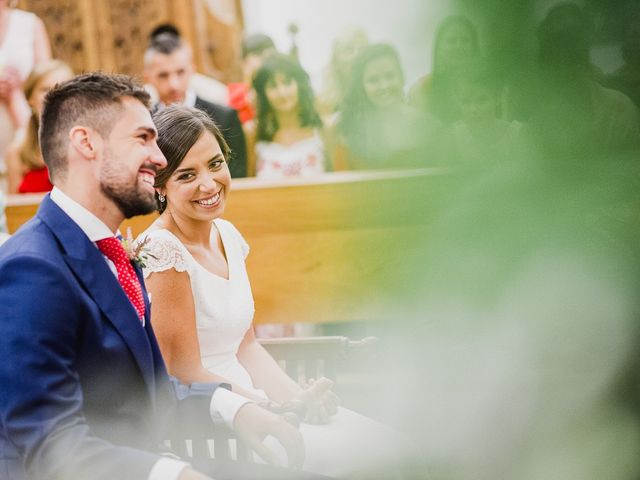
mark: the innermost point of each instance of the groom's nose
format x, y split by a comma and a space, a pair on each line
157, 157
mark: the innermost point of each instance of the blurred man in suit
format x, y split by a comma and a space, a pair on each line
208, 88
168, 67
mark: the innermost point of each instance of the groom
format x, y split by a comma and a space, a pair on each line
83, 388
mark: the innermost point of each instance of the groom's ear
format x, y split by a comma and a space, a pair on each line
84, 140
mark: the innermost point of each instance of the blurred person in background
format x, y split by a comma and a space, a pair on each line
206, 87
456, 43
26, 171
255, 49
568, 114
481, 137
23, 44
168, 66
344, 51
375, 128
288, 139
627, 78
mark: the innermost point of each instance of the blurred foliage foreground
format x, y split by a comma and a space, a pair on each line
509, 320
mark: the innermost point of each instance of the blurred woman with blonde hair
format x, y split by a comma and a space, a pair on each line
24, 43
345, 49
26, 170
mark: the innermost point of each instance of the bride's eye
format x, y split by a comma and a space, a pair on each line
216, 164
185, 176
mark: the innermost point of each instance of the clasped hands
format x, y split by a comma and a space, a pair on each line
320, 401
315, 404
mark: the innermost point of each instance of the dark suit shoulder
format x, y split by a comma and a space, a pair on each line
33, 238
215, 110
229, 124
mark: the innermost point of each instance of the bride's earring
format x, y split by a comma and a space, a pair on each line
161, 197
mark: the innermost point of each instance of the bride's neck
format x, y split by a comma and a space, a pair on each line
189, 231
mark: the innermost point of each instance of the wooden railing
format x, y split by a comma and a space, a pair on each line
322, 250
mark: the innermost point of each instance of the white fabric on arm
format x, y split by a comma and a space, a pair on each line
226, 404
167, 469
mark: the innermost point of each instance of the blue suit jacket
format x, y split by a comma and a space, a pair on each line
83, 388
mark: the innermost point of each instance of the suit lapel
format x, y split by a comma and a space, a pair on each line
93, 272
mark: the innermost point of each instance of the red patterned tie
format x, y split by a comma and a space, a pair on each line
114, 251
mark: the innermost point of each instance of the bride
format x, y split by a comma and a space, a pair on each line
202, 306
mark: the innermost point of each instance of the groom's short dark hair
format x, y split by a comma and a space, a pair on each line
91, 100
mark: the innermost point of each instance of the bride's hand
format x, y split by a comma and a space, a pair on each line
320, 401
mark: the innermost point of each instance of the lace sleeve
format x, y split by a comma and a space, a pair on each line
162, 255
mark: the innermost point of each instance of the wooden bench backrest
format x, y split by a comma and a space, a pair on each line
320, 248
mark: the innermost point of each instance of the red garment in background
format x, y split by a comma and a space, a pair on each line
35, 181
238, 100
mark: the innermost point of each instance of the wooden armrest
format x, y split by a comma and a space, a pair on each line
312, 357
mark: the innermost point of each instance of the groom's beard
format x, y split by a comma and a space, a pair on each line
131, 197
128, 202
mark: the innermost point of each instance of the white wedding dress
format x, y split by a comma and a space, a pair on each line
224, 311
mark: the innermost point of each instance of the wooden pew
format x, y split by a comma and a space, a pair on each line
322, 249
